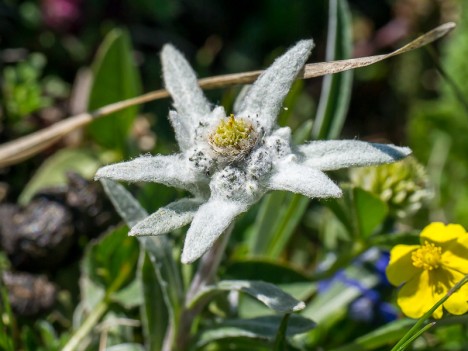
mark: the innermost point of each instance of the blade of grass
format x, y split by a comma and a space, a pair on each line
336, 89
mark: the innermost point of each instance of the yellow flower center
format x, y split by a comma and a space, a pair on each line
233, 136
427, 256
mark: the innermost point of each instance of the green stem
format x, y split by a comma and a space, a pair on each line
98, 311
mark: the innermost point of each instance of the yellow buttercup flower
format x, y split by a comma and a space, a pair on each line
429, 270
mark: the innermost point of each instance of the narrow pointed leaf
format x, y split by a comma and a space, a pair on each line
168, 218
336, 88
336, 154
154, 311
115, 78
181, 82
263, 100
304, 180
211, 220
171, 170
157, 248
182, 128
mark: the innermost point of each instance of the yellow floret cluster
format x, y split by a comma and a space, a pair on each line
233, 136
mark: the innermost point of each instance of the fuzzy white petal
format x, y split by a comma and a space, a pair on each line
168, 218
183, 130
336, 154
172, 170
300, 179
211, 220
263, 100
181, 82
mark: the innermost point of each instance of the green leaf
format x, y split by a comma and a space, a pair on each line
126, 347
387, 241
263, 328
383, 336
154, 312
370, 211
260, 269
131, 296
53, 172
269, 294
336, 91
339, 295
108, 265
158, 248
115, 78
278, 217
7, 321
281, 274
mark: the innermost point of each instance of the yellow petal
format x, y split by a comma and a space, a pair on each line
440, 234
458, 302
400, 269
419, 294
455, 255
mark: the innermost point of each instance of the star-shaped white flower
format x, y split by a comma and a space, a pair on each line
229, 163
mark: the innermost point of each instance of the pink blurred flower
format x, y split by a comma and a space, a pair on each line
60, 14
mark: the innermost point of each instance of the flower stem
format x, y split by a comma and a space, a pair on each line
98, 311
204, 276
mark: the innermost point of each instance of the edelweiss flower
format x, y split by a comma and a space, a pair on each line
429, 270
229, 162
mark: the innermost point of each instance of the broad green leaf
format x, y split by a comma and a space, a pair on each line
263, 328
370, 211
115, 78
267, 293
336, 91
53, 172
